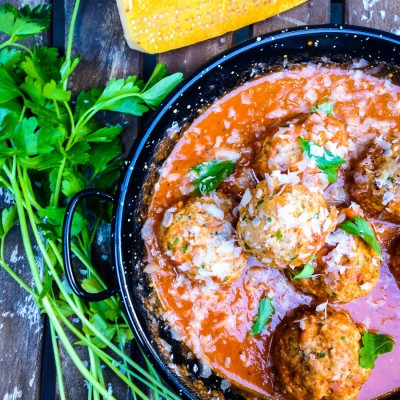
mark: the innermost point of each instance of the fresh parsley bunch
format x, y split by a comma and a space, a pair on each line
50, 149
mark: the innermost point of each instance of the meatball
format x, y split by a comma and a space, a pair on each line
316, 356
282, 151
377, 179
285, 228
240, 180
344, 269
198, 237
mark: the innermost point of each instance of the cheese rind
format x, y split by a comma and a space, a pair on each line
156, 26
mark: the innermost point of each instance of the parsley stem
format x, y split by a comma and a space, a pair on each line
92, 358
57, 109
5, 184
107, 359
22, 114
71, 37
91, 112
81, 316
31, 196
57, 362
18, 45
56, 194
70, 114
35, 274
24, 227
10, 272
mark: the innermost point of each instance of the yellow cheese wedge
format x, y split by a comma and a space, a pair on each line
155, 26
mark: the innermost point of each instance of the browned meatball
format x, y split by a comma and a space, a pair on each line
316, 356
235, 184
344, 269
198, 237
377, 179
282, 151
284, 227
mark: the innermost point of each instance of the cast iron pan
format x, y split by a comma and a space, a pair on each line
242, 63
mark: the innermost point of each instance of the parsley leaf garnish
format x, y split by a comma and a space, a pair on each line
374, 344
327, 162
24, 22
265, 311
208, 175
307, 270
361, 228
326, 107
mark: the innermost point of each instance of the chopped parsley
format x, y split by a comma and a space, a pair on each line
265, 311
361, 228
185, 248
326, 107
208, 175
307, 270
321, 355
374, 344
172, 245
279, 235
326, 161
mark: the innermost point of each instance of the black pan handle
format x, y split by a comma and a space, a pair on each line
69, 215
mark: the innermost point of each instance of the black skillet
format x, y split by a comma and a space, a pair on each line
244, 62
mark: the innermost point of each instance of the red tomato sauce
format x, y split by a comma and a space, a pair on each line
215, 322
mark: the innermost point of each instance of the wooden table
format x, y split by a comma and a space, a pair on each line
26, 370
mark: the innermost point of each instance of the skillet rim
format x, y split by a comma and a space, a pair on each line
131, 167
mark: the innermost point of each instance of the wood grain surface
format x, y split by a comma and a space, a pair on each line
310, 13
379, 14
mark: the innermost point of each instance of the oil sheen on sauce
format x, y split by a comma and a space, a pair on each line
215, 322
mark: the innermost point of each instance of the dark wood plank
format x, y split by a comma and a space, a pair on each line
21, 324
100, 41
21, 328
310, 13
383, 14
187, 59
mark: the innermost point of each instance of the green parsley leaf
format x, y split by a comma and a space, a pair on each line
8, 88
43, 65
326, 107
157, 93
361, 228
9, 218
85, 101
72, 183
104, 135
78, 154
54, 217
208, 175
102, 154
54, 91
160, 71
374, 344
19, 24
9, 118
9, 58
265, 311
307, 271
325, 160
68, 67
